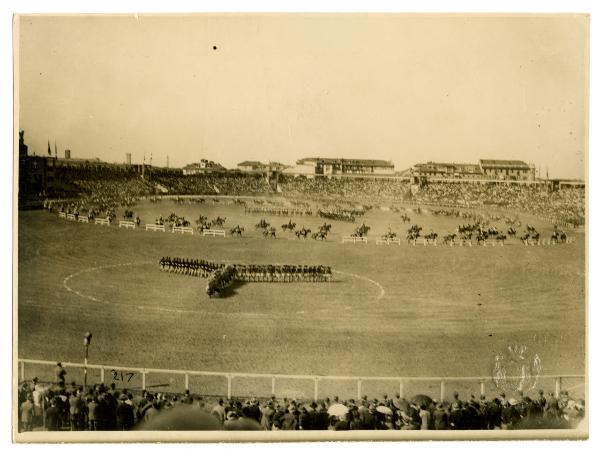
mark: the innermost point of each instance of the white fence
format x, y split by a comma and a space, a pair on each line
153, 227
102, 222
126, 224
62, 215
300, 386
388, 241
183, 230
83, 219
71, 217
213, 233
354, 239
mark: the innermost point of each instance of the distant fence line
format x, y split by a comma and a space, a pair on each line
315, 379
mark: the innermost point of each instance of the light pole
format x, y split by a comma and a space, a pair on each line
87, 339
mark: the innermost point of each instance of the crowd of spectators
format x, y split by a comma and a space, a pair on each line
106, 188
100, 408
215, 184
346, 188
565, 205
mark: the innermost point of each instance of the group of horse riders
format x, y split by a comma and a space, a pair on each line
249, 272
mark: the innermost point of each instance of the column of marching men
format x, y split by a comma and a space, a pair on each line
276, 273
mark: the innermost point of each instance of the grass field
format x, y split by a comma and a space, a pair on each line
391, 311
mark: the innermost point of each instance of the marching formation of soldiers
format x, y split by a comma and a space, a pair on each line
277, 211
194, 267
286, 273
277, 273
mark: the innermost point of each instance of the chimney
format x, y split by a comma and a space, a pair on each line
128, 158
67, 153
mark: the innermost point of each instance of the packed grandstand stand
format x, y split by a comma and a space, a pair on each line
111, 188
59, 406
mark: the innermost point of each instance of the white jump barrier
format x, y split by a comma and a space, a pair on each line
126, 224
83, 219
62, 215
388, 241
213, 233
154, 227
183, 230
71, 217
354, 239
101, 222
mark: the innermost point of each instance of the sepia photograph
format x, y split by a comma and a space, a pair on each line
287, 227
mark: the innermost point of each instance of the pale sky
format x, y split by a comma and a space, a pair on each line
406, 88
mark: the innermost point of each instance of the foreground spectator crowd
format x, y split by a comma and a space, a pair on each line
99, 408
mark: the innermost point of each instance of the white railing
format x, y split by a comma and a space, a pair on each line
213, 233
391, 385
62, 215
154, 227
83, 219
183, 230
388, 241
71, 217
354, 239
126, 224
102, 222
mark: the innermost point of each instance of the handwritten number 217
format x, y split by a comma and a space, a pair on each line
120, 376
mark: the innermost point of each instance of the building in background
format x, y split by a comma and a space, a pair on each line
510, 170
324, 166
204, 166
251, 165
485, 169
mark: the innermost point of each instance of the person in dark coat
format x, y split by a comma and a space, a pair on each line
322, 418
124, 414
53, 417
455, 418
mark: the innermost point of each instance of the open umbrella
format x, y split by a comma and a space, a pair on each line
384, 410
420, 400
337, 409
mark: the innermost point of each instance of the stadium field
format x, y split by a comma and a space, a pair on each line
390, 311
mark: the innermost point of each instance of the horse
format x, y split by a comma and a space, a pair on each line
322, 235
482, 236
304, 232
219, 221
431, 236
262, 224
558, 237
128, 215
201, 220
325, 228
290, 226
236, 230
405, 218
512, 232
501, 237
361, 231
269, 232
449, 238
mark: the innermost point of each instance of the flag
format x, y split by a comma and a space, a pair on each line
49, 150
